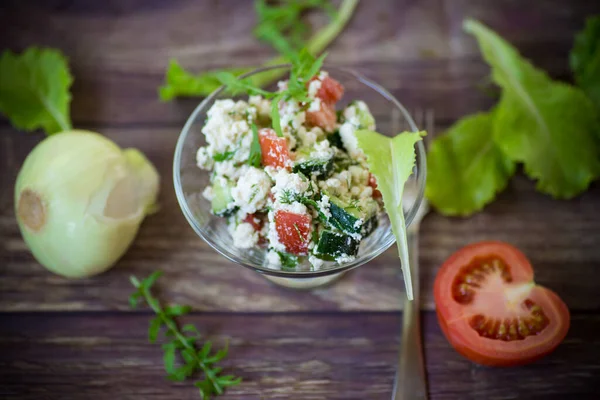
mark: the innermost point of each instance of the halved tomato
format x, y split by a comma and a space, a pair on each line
274, 149
293, 231
491, 310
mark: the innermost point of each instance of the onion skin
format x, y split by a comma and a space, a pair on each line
80, 199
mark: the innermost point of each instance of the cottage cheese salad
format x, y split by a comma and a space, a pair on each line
311, 196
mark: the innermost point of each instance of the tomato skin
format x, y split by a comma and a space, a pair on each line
274, 149
331, 91
454, 317
293, 231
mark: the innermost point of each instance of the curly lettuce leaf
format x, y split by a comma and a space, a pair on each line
34, 90
391, 160
465, 168
585, 59
547, 125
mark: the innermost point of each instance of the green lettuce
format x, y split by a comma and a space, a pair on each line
549, 126
34, 90
391, 160
465, 168
585, 59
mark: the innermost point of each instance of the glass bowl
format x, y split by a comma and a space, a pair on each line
390, 117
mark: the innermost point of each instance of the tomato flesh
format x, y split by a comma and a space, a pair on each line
274, 149
293, 231
330, 92
491, 310
324, 117
255, 221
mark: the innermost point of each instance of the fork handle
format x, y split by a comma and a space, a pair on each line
410, 377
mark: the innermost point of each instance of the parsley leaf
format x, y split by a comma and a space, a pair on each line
391, 160
182, 341
255, 156
585, 59
179, 82
465, 168
288, 261
281, 24
34, 89
547, 125
227, 155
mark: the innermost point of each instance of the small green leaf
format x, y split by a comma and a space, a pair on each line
150, 280
203, 353
154, 328
218, 356
190, 328
255, 157
228, 155
169, 357
176, 310
134, 299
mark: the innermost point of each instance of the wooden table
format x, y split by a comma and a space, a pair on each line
77, 339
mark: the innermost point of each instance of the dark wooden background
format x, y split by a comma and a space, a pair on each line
77, 339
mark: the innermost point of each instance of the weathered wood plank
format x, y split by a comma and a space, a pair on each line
560, 237
297, 356
119, 49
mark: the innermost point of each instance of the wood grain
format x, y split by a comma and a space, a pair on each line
301, 356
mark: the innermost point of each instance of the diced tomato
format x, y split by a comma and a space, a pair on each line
324, 118
274, 149
255, 221
331, 91
373, 184
293, 231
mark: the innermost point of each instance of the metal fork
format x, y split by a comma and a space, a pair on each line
411, 383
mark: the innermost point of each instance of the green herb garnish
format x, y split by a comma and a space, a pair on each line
179, 82
255, 156
227, 155
182, 341
288, 261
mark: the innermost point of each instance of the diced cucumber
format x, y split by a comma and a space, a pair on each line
222, 202
336, 140
332, 245
352, 218
316, 167
341, 161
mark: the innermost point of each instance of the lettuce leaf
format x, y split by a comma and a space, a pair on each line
547, 125
465, 168
391, 160
34, 90
585, 59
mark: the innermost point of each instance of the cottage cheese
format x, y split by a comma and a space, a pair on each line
250, 193
245, 236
